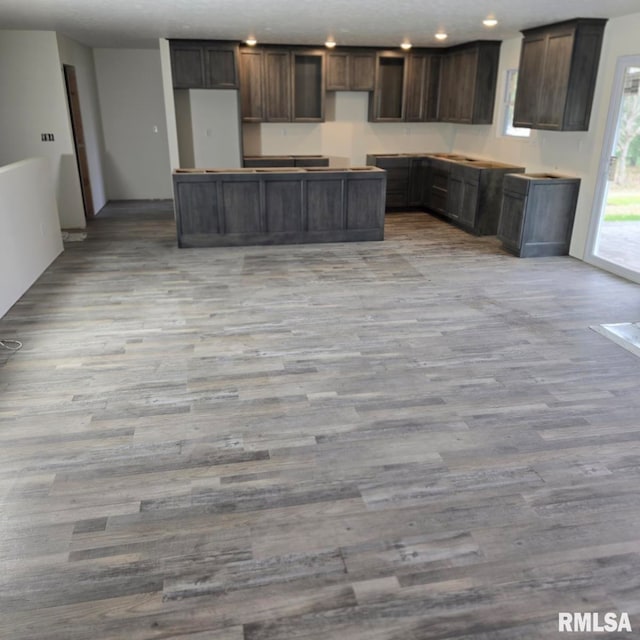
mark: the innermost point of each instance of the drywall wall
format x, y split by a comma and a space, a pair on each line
184, 128
81, 58
33, 102
130, 90
346, 135
215, 122
169, 106
574, 153
31, 238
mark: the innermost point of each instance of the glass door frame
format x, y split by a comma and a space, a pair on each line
600, 194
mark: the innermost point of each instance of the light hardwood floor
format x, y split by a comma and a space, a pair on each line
407, 440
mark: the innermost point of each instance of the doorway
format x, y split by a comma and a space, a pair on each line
615, 243
78, 139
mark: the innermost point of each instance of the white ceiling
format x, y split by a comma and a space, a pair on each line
139, 23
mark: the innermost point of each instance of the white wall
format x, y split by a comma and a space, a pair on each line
30, 238
575, 153
215, 123
346, 136
81, 58
130, 89
34, 101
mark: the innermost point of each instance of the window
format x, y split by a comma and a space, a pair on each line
509, 103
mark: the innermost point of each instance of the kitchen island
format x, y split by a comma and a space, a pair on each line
235, 207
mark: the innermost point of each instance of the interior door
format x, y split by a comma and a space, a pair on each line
615, 230
78, 138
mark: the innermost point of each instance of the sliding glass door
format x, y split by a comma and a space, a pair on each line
616, 232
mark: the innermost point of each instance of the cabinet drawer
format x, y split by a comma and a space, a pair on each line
440, 180
439, 200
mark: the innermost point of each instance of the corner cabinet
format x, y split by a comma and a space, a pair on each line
474, 195
204, 65
468, 80
557, 75
387, 102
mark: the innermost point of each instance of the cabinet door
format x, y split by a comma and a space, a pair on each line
439, 182
187, 66
418, 69
553, 95
469, 206
277, 74
251, 85
466, 86
221, 66
362, 71
308, 86
433, 98
398, 170
455, 195
387, 101
416, 182
532, 57
511, 219
197, 207
338, 76
447, 87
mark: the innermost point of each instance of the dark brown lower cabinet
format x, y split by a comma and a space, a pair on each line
217, 208
255, 162
537, 214
474, 195
467, 191
437, 191
398, 169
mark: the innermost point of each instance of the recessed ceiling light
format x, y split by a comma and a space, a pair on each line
330, 44
490, 22
251, 41
441, 36
406, 46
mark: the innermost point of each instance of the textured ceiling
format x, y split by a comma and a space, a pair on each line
139, 23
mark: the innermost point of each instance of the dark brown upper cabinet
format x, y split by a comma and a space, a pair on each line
308, 75
350, 70
252, 104
557, 75
387, 102
423, 77
468, 79
277, 84
204, 65
282, 84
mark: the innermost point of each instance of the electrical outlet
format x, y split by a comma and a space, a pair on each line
46, 137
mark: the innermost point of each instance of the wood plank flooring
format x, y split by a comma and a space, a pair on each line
413, 439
